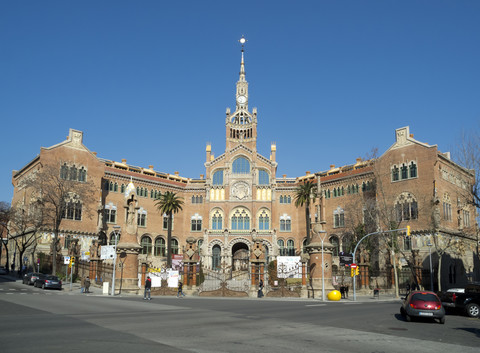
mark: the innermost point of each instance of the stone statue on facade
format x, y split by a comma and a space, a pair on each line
94, 249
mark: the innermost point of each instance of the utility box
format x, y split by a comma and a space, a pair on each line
105, 288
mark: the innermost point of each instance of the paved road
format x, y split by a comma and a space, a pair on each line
53, 321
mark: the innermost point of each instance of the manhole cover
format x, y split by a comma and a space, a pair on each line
397, 329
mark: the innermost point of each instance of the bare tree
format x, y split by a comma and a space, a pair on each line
24, 224
60, 197
390, 214
4, 231
468, 156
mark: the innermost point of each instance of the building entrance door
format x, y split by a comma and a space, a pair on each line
240, 257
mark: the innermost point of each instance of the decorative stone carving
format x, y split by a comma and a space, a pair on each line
241, 190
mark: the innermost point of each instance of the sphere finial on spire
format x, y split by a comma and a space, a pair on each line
242, 41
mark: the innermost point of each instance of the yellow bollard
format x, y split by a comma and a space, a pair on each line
334, 295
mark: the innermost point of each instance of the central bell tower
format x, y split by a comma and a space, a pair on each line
241, 125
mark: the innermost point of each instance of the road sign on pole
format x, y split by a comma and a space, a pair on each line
353, 265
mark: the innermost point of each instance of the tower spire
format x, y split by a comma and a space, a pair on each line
242, 63
241, 125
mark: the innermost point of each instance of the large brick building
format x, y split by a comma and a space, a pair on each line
240, 199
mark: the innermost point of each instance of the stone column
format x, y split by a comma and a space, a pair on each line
315, 262
128, 248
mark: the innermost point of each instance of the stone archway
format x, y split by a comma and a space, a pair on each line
240, 257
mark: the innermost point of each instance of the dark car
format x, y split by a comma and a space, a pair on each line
423, 304
48, 281
3, 271
30, 277
469, 301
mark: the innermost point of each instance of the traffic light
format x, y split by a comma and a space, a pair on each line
357, 271
352, 272
72, 261
409, 233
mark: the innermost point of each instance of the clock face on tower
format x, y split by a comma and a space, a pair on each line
241, 99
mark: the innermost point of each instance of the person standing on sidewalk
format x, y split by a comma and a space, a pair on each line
87, 285
148, 288
180, 289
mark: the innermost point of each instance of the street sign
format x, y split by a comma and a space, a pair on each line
353, 266
66, 260
345, 258
107, 252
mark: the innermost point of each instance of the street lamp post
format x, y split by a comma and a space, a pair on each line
116, 233
430, 257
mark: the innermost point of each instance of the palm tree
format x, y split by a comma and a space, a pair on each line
169, 203
304, 193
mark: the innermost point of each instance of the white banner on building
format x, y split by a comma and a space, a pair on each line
107, 252
289, 267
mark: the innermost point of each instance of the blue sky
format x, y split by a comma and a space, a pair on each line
149, 81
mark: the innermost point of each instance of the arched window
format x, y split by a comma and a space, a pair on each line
112, 238
196, 223
146, 244
115, 187
264, 220
218, 177
64, 171
338, 218
122, 188
216, 257
217, 220
263, 177
285, 223
336, 245
447, 207
406, 207
174, 245
304, 245
281, 247
413, 170
240, 219
404, 171
241, 165
290, 248
281, 199
73, 173
142, 217
159, 247
395, 173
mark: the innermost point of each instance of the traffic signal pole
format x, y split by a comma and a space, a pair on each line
407, 229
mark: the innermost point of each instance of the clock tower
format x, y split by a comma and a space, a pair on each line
241, 125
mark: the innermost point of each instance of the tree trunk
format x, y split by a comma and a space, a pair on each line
169, 241
6, 254
395, 274
439, 272
307, 221
54, 254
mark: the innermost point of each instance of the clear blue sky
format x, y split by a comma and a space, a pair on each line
149, 81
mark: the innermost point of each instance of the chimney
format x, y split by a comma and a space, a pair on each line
273, 151
411, 136
284, 176
94, 153
176, 173
124, 161
201, 176
150, 167
307, 172
208, 150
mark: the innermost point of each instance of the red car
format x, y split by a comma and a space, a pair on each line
423, 304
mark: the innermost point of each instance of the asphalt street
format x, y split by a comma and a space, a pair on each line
64, 321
